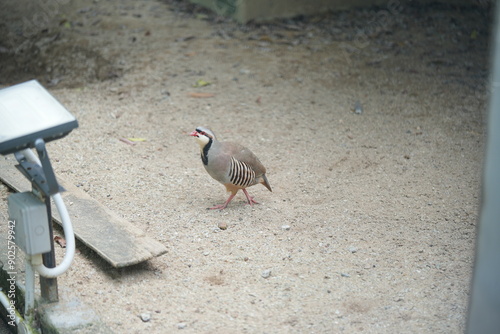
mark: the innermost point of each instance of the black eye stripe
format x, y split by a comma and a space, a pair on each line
204, 133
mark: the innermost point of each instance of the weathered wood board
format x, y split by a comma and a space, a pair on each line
112, 237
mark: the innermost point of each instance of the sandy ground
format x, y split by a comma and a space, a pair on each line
371, 223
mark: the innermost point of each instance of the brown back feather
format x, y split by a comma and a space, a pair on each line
243, 154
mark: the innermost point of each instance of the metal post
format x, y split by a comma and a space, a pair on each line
48, 286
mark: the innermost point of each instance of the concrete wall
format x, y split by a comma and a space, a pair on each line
262, 10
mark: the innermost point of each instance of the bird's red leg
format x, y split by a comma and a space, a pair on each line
249, 198
223, 206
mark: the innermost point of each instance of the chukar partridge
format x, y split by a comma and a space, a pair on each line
233, 165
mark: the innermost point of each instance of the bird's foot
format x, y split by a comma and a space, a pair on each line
252, 202
218, 207
223, 206
250, 199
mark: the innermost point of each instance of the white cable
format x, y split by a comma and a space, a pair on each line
10, 308
30, 156
21, 324
68, 233
70, 243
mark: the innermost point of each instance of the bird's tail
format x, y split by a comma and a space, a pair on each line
265, 182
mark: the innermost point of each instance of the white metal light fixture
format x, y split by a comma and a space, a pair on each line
29, 117
28, 112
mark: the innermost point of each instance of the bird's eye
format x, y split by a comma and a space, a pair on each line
203, 133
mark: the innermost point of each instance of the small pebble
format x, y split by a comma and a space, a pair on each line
345, 275
285, 227
353, 249
358, 109
266, 273
145, 317
181, 325
222, 225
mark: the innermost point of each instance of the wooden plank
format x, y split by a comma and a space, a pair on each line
112, 237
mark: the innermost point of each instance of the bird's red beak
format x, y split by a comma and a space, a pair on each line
194, 134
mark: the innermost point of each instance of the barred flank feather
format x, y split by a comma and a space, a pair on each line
241, 174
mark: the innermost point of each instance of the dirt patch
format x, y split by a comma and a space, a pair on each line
34, 45
371, 222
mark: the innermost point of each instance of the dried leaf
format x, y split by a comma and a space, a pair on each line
136, 139
201, 95
126, 141
201, 83
60, 241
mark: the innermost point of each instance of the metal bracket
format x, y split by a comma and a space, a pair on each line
41, 177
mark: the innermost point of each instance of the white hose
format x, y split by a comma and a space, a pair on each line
70, 243
30, 156
10, 308
13, 316
68, 233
